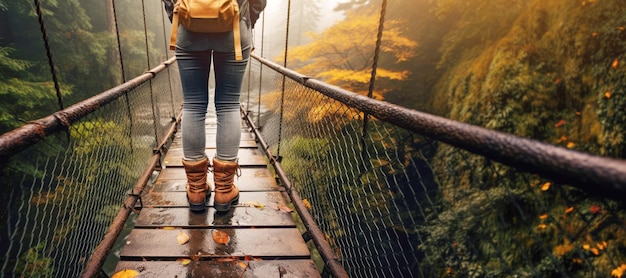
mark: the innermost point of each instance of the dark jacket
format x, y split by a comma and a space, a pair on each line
249, 9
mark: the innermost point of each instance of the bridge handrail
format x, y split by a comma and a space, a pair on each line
595, 174
22, 137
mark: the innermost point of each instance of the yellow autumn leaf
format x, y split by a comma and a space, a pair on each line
306, 204
126, 273
543, 216
595, 251
570, 209
243, 265
586, 246
542, 226
184, 261
169, 228
254, 204
571, 145
546, 186
182, 237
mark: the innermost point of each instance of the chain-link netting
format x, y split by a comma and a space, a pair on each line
60, 195
393, 203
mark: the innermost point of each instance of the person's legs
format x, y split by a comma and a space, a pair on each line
194, 72
228, 78
194, 69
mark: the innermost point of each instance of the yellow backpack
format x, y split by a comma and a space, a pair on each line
207, 16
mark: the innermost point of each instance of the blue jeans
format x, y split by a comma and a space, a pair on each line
194, 52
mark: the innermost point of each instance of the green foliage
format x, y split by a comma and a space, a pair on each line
34, 263
546, 67
23, 100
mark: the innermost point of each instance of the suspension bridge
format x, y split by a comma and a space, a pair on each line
333, 184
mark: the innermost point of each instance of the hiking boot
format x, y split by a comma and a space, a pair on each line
226, 193
198, 188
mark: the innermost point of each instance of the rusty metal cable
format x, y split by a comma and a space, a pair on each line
282, 96
379, 39
119, 43
44, 33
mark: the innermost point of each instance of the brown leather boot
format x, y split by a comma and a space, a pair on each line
198, 188
226, 193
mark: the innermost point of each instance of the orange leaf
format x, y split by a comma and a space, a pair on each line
184, 261
543, 216
559, 123
284, 208
243, 265
615, 63
545, 186
570, 209
220, 237
607, 94
619, 271
594, 209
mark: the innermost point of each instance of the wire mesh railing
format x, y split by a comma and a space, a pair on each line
409, 200
62, 193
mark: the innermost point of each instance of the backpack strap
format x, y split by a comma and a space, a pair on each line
174, 30
237, 35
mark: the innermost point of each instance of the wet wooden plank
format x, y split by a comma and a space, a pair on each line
239, 217
247, 157
179, 199
225, 269
271, 243
251, 179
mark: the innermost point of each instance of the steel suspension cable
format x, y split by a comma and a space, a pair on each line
119, 43
119, 51
258, 107
145, 35
44, 33
282, 95
379, 38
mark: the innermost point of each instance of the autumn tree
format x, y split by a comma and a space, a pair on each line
342, 55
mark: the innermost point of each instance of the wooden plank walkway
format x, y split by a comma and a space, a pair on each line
263, 240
